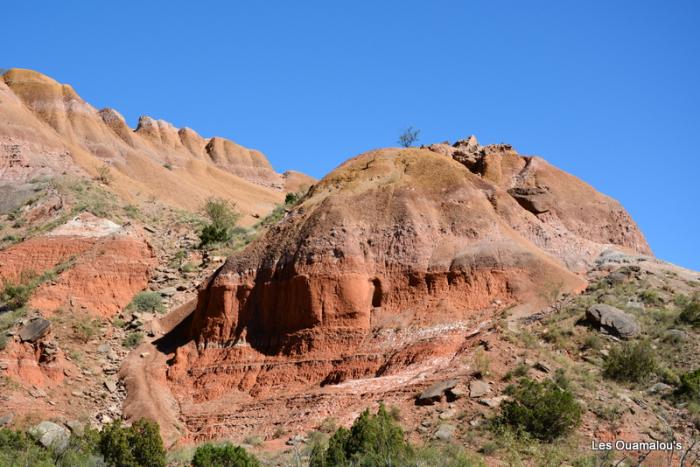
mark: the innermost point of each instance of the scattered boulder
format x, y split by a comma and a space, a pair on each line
37, 392
493, 402
613, 320
296, 440
478, 388
168, 291
434, 393
618, 277
6, 419
635, 303
76, 427
111, 385
447, 414
35, 329
660, 388
675, 335
51, 435
445, 432
457, 392
543, 367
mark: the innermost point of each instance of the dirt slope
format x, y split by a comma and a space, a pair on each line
48, 130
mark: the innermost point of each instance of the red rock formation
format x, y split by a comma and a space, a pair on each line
380, 268
105, 266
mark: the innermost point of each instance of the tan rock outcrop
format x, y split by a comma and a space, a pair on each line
49, 131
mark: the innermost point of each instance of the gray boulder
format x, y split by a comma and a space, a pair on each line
76, 427
51, 436
457, 392
35, 329
613, 320
434, 393
478, 388
6, 419
445, 432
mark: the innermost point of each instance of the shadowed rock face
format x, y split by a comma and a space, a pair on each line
372, 273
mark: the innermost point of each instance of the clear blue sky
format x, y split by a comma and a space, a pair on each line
607, 90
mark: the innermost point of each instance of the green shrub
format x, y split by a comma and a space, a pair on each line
9, 318
274, 217
446, 455
212, 234
19, 449
134, 446
519, 371
131, 211
292, 199
3, 340
668, 376
543, 410
223, 455
223, 216
691, 313
689, 387
132, 339
85, 329
651, 297
372, 440
16, 295
147, 302
189, 267
592, 342
630, 361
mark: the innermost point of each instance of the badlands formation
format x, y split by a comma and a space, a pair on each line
47, 130
400, 277
366, 290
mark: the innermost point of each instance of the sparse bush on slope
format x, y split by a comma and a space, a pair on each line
223, 455
691, 313
222, 216
147, 302
542, 410
373, 440
134, 446
630, 361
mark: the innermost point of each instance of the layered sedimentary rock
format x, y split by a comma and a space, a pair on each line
48, 130
569, 218
98, 266
381, 267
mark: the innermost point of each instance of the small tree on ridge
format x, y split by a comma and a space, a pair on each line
408, 137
